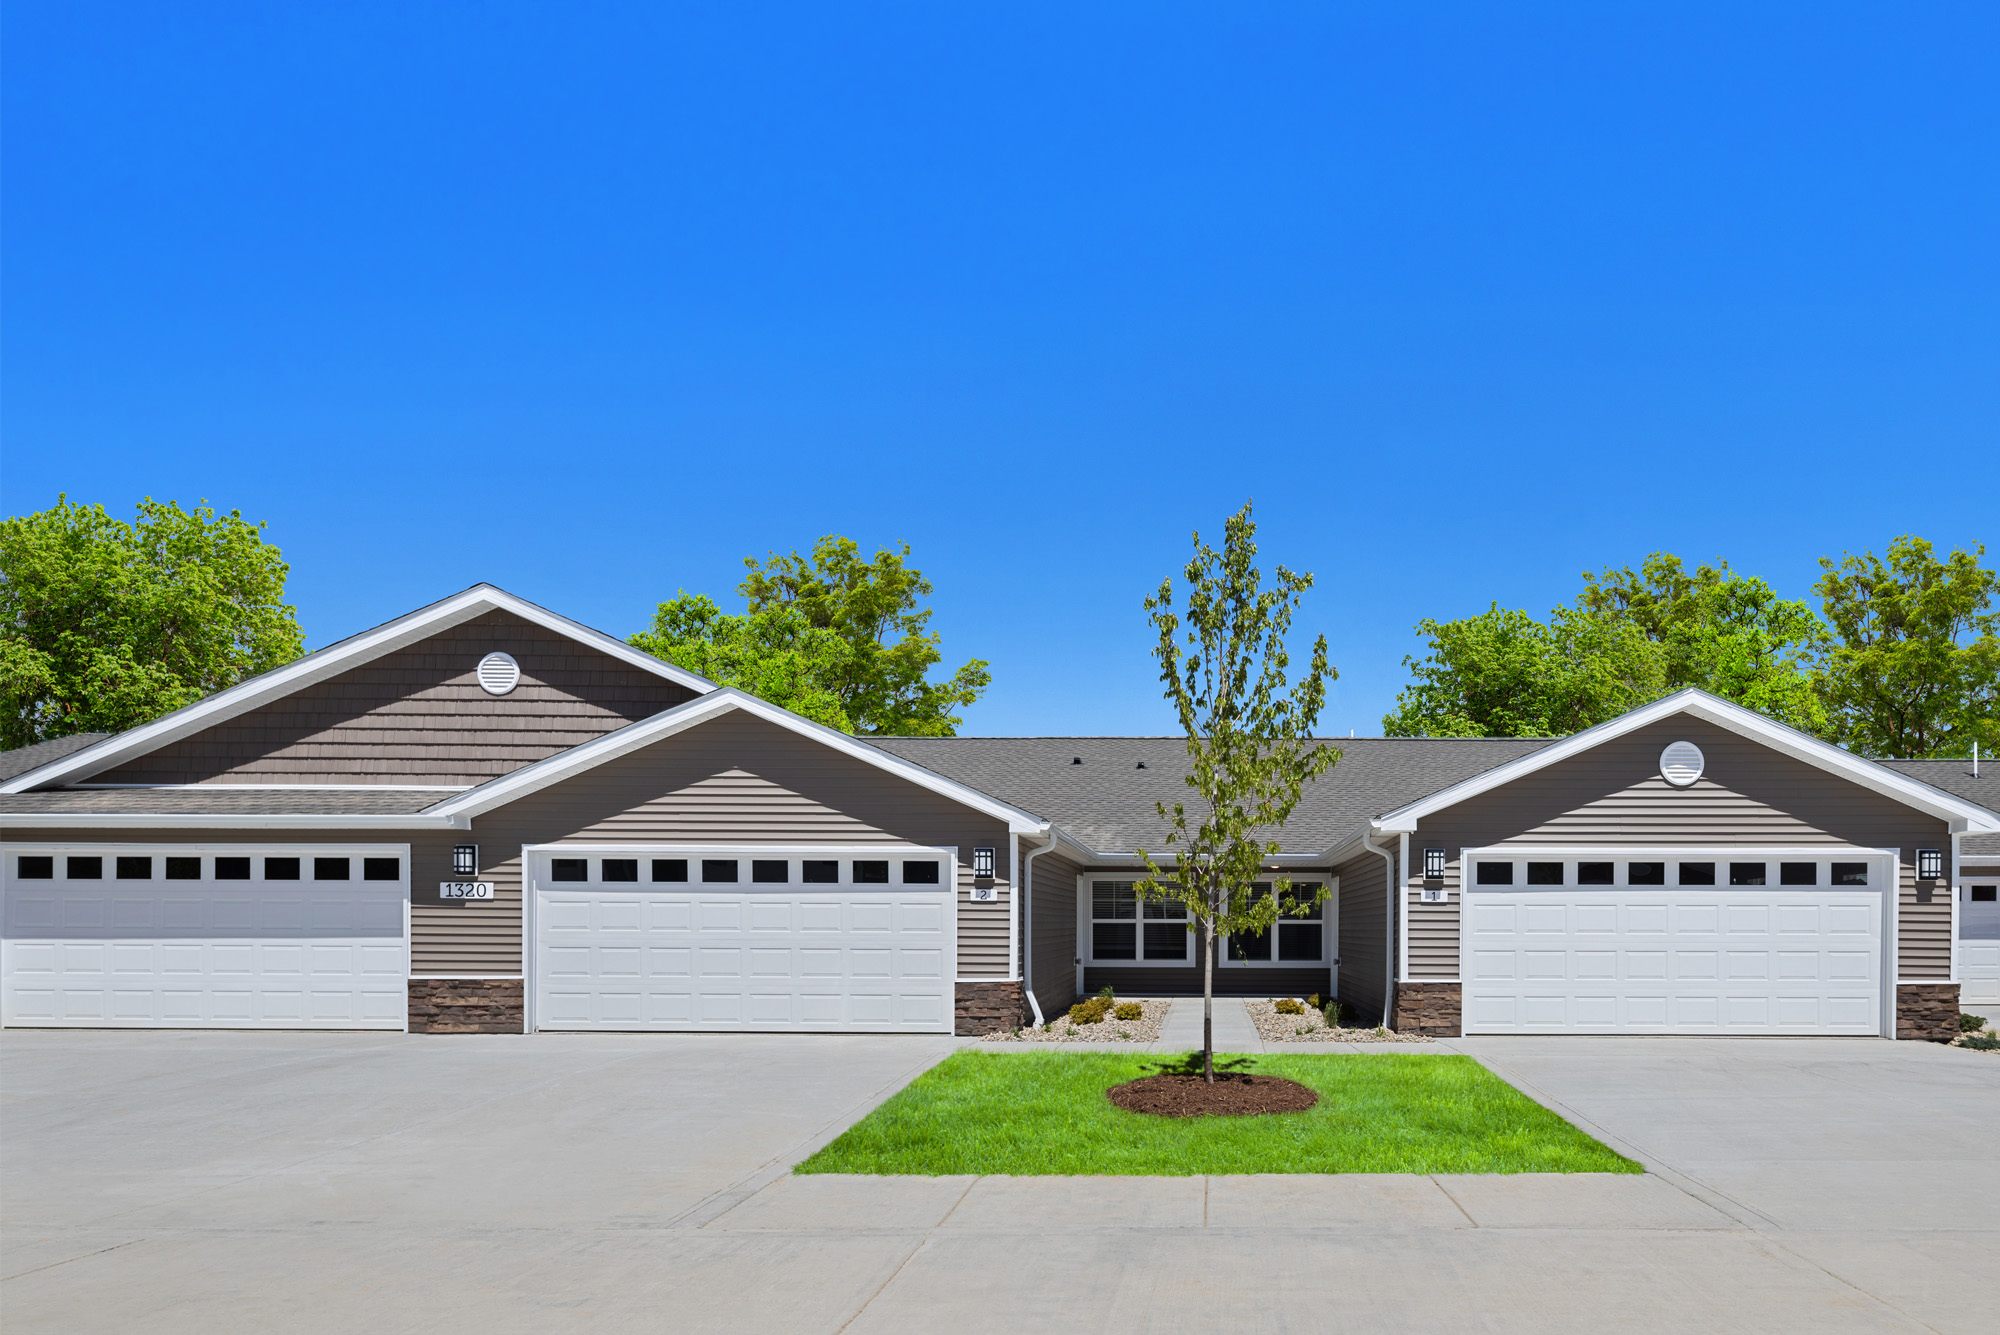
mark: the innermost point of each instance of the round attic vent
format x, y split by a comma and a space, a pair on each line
498, 673
1681, 764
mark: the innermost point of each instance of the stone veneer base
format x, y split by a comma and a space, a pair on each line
1428, 1008
1927, 1011
468, 1006
989, 1008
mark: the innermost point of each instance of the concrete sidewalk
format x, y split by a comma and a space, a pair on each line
609, 1183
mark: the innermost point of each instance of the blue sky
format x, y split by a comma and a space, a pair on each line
591, 301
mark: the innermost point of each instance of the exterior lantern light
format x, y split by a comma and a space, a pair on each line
1433, 864
465, 860
982, 863
1930, 864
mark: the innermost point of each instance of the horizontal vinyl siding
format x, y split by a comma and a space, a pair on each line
1613, 795
740, 780
1363, 958
1053, 924
418, 716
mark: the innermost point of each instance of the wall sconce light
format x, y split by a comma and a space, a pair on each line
465, 860
982, 863
1930, 864
1433, 864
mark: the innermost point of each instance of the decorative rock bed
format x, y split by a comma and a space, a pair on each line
1145, 1029
1311, 1027
1977, 1039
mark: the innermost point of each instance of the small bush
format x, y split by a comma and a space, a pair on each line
1970, 1023
1128, 1010
1089, 1012
1333, 1012
1983, 1042
1288, 1006
1106, 994
1315, 1002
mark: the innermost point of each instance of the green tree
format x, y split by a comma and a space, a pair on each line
1249, 744
1504, 674
105, 625
840, 639
1915, 670
1726, 633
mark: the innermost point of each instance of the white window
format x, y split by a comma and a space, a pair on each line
1300, 933
1127, 928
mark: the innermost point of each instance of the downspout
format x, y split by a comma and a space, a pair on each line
1027, 892
1388, 926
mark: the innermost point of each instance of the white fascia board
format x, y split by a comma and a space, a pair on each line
139, 820
336, 658
1958, 813
633, 736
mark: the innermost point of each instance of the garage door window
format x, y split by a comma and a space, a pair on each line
1798, 873
135, 869
35, 868
621, 869
1543, 873
664, 869
1697, 873
920, 873
871, 873
85, 869
819, 872
1746, 873
569, 869
770, 871
329, 869
718, 871
281, 869
232, 869
1496, 873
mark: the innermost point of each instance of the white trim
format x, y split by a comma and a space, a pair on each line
336, 658
1957, 812
1403, 909
287, 787
702, 709
1014, 909
139, 820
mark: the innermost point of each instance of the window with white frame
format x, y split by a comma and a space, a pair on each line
1124, 926
1299, 931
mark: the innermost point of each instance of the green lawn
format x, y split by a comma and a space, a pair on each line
1032, 1113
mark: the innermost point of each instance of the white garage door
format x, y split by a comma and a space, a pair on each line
1979, 941
214, 937
771, 939
1739, 944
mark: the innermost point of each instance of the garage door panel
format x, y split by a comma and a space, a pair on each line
769, 959
1679, 961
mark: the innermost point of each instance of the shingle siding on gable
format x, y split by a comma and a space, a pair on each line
1748, 794
418, 716
734, 780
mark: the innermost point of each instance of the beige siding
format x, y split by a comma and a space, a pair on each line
1053, 925
1363, 952
736, 780
1748, 794
419, 716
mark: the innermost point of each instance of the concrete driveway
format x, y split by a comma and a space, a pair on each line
313, 1182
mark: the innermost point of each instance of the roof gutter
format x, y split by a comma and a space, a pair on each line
139, 820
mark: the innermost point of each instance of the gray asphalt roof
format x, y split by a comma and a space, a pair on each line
222, 800
24, 758
1955, 777
1106, 801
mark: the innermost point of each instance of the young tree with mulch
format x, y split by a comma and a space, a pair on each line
1249, 742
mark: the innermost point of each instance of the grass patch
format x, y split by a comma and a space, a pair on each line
1034, 1113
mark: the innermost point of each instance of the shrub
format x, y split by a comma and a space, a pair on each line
1970, 1023
1288, 1006
1128, 1010
1333, 1013
1089, 1012
1106, 994
1983, 1042
1315, 1002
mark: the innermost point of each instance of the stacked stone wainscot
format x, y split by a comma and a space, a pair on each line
467, 1006
1927, 1011
1428, 1008
990, 1008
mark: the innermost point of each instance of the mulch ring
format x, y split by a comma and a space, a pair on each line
1233, 1094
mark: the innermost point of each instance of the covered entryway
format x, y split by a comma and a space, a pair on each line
1735, 942
858, 940
205, 937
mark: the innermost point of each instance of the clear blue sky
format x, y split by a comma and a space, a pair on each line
591, 300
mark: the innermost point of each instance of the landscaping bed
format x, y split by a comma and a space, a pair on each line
1029, 1113
1110, 1029
1977, 1033
1310, 1026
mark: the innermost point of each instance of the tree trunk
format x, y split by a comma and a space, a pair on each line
1208, 1001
